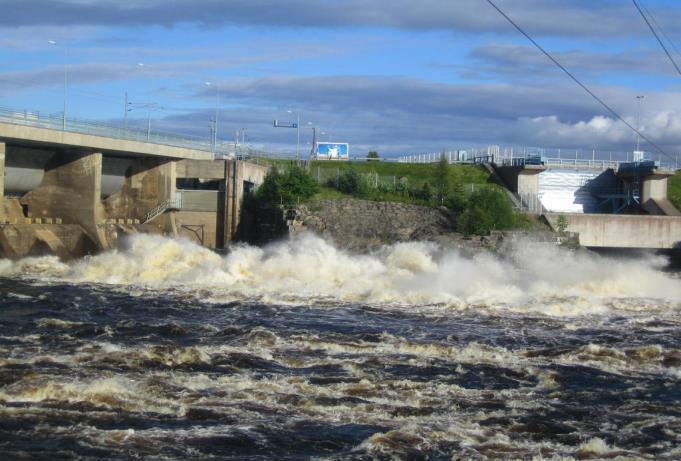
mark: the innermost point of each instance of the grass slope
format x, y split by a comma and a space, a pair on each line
674, 189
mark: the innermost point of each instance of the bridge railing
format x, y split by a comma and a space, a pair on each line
577, 163
82, 126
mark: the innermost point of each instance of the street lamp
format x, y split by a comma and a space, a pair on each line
638, 123
217, 105
144, 105
125, 106
298, 132
66, 79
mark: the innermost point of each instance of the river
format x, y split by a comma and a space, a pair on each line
165, 350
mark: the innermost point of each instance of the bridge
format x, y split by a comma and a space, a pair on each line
33, 129
74, 185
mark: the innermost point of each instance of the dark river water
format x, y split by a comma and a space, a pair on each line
163, 350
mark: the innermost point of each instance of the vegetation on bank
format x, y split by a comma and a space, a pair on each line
292, 185
479, 205
674, 189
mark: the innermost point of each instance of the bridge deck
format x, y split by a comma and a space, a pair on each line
38, 136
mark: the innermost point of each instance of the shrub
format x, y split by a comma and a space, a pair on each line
425, 193
457, 200
292, 186
486, 210
351, 182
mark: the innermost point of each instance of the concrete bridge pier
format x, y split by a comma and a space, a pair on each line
71, 190
149, 183
654, 195
2, 180
523, 182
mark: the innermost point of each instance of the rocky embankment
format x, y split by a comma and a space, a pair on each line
362, 224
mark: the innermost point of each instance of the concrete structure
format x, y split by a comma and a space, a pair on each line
622, 231
35, 136
72, 194
588, 198
654, 194
211, 217
523, 182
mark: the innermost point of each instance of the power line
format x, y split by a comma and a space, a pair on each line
576, 80
659, 40
660, 28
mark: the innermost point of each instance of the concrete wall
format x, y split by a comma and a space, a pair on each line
623, 231
654, 196
198, 226
69, 185
198, 200
521, 180
2, 180
203, 169
148, 182
71, 190
24, 168
236, 174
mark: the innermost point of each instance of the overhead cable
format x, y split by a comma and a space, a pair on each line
659, 40
578, 82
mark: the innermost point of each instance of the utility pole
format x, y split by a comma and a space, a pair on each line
638, 123
297, 132
66, 79
217, 105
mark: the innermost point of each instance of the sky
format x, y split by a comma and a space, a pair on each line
399, 77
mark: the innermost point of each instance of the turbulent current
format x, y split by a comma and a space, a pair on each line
166, 350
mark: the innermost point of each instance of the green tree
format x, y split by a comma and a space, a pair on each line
372, 155
457, 199
562, 224
475, 221
441, 179
486, 210
292, 186
425, 193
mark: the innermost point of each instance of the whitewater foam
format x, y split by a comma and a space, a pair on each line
532, 277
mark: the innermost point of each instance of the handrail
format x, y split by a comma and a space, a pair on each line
159, 210
83, 126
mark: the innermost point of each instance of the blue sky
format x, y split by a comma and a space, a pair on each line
398, 77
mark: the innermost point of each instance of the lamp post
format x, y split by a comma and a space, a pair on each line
217, 105
66, 79
638, 122
314, 140
297, 132
144, 105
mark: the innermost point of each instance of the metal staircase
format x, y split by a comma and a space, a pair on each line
158, 210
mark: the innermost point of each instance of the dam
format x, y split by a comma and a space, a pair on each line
76, 191
609, 204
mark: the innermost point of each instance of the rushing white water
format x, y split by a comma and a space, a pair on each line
163, 349
533, 276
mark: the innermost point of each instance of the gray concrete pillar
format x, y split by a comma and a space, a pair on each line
221, 218
226, 206
654, 195
2, 179
149, 182
71, 189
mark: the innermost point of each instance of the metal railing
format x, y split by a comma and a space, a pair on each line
159, 210
587, 164
83, 126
